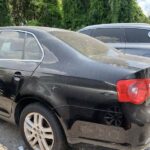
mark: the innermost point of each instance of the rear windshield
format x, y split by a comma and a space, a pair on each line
84, 44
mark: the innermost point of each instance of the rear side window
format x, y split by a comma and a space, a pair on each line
32, 49
19, 45
11, 45
84, 44
109, 35
137, 36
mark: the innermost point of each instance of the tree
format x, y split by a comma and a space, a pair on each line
70, 14
4, 13
111, 11
50, 14
136, 14
36, 12
47, 12
104, 11
75, 13
96, 11
131, 12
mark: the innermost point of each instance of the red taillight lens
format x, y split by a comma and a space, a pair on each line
134, 91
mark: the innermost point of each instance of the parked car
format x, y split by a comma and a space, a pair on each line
132, 38
64, 87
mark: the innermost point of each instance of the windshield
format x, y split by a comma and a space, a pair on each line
84, 44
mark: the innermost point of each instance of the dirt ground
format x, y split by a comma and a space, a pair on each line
11, 139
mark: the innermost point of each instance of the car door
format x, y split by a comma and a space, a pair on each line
114, 37
138, 41
20, 54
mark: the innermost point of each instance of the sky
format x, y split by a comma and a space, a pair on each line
145, 5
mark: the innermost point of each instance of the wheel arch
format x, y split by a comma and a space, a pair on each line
26, 100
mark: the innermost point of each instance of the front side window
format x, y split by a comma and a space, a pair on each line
32, 49
137, 35
11, 45
109, 35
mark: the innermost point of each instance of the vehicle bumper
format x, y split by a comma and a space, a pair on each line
138, 114
135, 138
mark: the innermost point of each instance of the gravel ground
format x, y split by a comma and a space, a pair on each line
10, 137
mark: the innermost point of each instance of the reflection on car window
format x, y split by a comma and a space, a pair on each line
32, 49
11, 45
108, 35
84, 44
137, 35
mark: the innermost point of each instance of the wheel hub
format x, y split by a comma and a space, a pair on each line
38, 132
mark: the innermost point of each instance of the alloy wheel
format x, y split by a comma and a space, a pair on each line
38, 132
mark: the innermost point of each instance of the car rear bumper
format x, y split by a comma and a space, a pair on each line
135, 138
138, 114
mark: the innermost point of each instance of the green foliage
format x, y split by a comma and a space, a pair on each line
96, 12
44, 12
75, 13
131, 12
70, 14
136, 14
36, 12
80, 12
104, 11
50, 15
124, 12
5, 18
33, 22
113, 10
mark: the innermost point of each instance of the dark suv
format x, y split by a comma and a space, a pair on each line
132, 38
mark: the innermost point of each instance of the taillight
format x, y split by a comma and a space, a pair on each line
134, 91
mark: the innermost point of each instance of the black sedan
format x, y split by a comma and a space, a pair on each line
63, 87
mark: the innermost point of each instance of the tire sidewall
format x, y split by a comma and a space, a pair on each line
59, 136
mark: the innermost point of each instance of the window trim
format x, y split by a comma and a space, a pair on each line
25, 32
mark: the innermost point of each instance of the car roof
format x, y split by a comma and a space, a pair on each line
117, 25
33, 28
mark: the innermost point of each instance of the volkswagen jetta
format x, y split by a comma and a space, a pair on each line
64, 87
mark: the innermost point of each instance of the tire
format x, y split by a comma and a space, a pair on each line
39, 126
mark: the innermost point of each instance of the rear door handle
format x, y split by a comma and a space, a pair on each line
17, 76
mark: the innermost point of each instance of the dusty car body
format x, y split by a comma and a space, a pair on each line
93, 93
